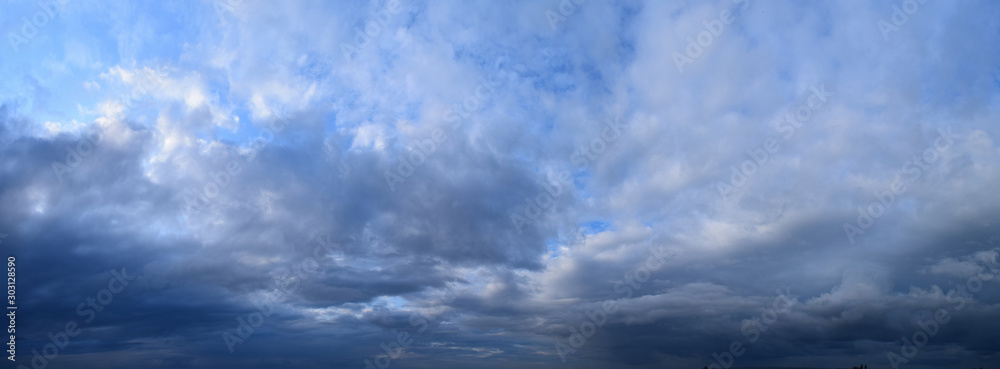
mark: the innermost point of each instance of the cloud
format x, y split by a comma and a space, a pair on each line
119, 118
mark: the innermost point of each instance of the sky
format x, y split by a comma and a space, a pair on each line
500, 184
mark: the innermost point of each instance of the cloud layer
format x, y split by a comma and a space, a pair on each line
494, 185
